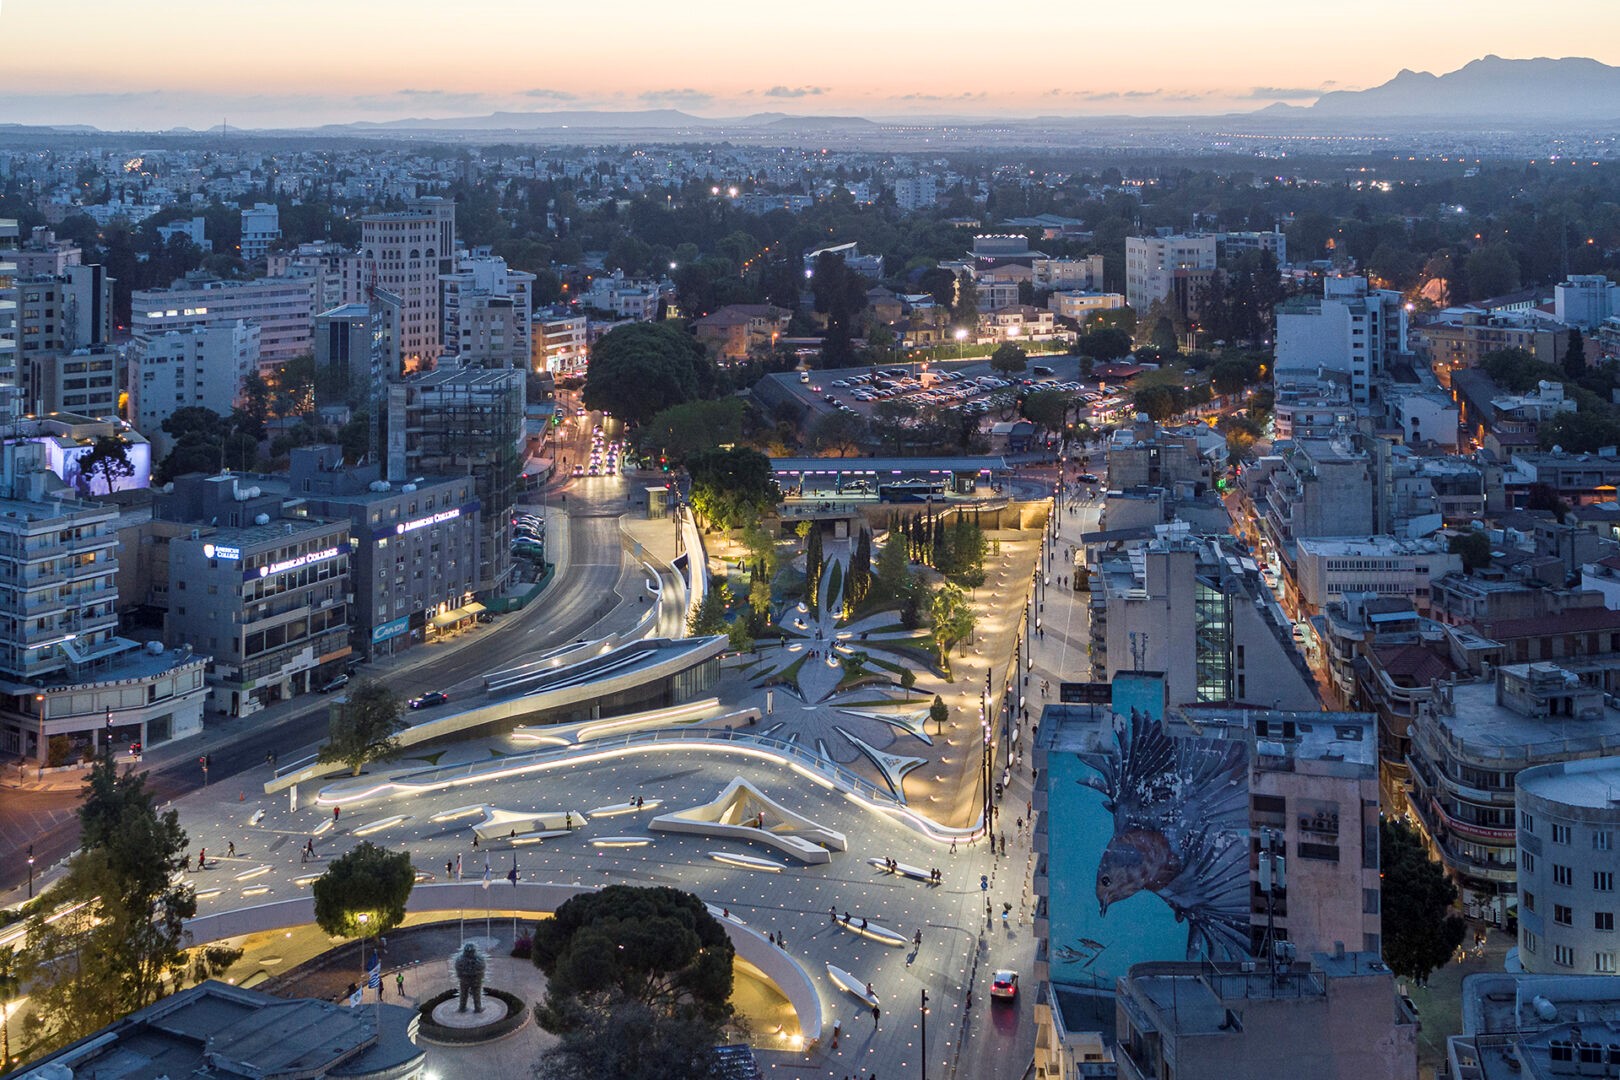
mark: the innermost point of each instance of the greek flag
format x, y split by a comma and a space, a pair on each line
511, 875
486, 869
458, 866
374, 972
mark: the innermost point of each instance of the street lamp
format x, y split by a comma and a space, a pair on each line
923, 1041
961, 341
30, 871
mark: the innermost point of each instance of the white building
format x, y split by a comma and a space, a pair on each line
1586, 300
405, 252
197, 366
333, 268
1351, 329
1568, 823
1071, 275
1332, 567
261, 226
913, 193
487, 311
192, 229
561, 343
284, 308
1079, 306
623, 297
1151, 263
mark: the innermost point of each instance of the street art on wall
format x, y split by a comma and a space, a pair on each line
1150, 852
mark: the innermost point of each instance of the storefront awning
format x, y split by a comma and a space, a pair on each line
460, 614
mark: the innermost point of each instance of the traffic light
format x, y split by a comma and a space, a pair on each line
663, 462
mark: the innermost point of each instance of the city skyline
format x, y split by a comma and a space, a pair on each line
311, 64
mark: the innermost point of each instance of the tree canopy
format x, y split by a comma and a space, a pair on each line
1008, 359
363, 727
107, 461
637, 371
1420, 929
952, 620
682, 430
732, 487
364, 891
125, 901
839, 434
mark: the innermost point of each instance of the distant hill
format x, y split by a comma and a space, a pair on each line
604, 120
1573, 88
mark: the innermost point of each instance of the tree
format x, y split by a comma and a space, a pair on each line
1048, 410
860, 570
893, 578
759, 596
939, 712
362, 729
840, 294
639, 370
761, 548
106, 461
1575, 354
120, 925
1164, 336
1106, 343
1008, 359
709, 617
952, 621
1491, 271
839, 434
732, 487
657, 947
1420, 929
965, 304
626, 1040
682, 430
9, 987
812, 569
908, 680
1474, 547
364, 892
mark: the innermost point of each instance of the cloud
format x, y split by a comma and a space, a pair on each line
964, 96
794, 91
547, 92
1285, 93
681, 96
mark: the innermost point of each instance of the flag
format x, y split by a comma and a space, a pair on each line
357, 997
374, 972
511, 875
458, 866
486, 869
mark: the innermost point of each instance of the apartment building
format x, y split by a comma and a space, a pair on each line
200, 366
284, 309
1586, 301
405, 252
487, 311
1568, 821
1153, 265
1330, 568
1351, 329
561, 342
261, 227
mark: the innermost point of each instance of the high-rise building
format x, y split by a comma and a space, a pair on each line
284, 308
200, 366
1568, 825
464, 422
488, 308
343, 354
1586, 300
66, 676
261, 227
9, 331
1153, 265
405, 252
1350, 329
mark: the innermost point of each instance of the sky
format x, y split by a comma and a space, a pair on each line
269, 63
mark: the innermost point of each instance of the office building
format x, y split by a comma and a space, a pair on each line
66, 675
1189, 607
487, 311
83, 381
1567, 825
1350, 329
1147, 455
284, 309
1158, 267
261, 227
233, 1033
413, 556
200, 366
1330, 568
265, 595
43, 255
621, 297
1069, 275
561, 342
405, 252
1585, 301
343, 355
9, 359
1333, 1016
467, 422
333, 268
1467, 751
67, 438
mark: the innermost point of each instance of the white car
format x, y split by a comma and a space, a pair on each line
1004, 985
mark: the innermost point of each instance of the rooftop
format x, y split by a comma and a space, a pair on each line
1593, 783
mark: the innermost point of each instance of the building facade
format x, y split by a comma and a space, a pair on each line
1350, 329
1152, 264
284, 309
1568, 823
405, 252
201, 366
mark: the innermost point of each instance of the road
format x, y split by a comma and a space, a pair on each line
596, 581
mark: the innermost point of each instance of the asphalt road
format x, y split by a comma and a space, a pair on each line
589, 590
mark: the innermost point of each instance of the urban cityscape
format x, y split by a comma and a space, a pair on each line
1114, 569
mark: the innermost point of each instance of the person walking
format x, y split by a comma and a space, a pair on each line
202, 858
230, 850
399, 982
875, 1014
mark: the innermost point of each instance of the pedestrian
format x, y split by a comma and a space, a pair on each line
833, 912
863, 922
917, 939
772, 936
1020, 824
781, 941
870, 993
875, 1014
475, 841
399, 982
230, 849
953, 845
846, 918
838, 1028
336, 810
202, 858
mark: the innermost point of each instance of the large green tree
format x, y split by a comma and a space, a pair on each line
637, 371
363, 727
1008, 359
364, 891
682, 430
951, 620
1421, 930
839, 434
118, 934
732, 487
657, 947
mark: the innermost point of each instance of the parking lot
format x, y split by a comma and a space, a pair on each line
970, 386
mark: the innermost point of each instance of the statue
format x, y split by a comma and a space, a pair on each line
470, 974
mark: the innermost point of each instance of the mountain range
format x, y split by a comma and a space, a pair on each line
1573, 88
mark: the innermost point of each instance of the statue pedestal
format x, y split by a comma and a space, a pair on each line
445, 1014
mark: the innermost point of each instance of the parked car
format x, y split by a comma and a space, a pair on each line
336, 682
430, 699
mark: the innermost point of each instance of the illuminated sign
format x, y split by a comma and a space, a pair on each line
423, 522
391, 629
297, 563
220, 551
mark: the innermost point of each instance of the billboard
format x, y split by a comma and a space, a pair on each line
63, 458
1149, 844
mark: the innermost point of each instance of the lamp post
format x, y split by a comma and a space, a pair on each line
961, 341
923, 1040
30, 871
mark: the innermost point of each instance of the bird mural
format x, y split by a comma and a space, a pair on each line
1180, 812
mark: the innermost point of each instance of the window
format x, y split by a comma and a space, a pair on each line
1603, 962
1369, 901
1560, 834
1563, 875
1603, 880
1563, 956
1563, 915
1528, 861
1601, 839
1529, 941
1527, 822
1603, 921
